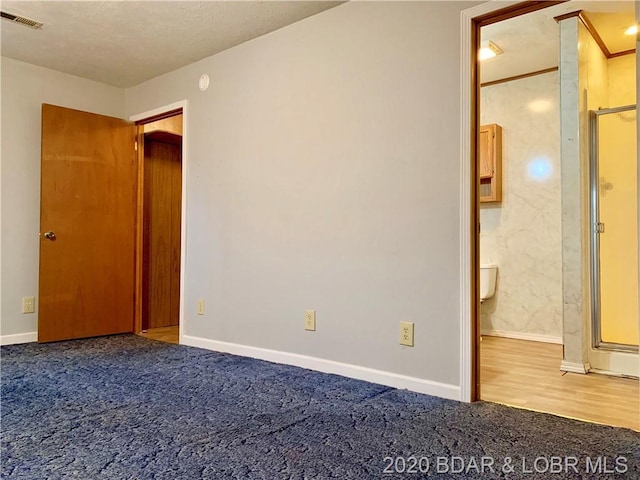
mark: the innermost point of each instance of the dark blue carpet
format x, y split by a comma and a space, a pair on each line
125, 407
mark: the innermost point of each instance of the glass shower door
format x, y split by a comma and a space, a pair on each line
615, 229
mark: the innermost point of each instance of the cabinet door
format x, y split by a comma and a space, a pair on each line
486, 153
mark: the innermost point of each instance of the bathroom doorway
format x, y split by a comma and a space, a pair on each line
614, 216
520, 237
523, 233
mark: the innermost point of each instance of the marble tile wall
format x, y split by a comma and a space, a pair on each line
583, 87
522, 235
570, 95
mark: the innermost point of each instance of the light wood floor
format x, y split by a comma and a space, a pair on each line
163, 334
527, 374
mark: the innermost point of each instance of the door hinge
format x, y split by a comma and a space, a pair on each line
599, 227
135, 145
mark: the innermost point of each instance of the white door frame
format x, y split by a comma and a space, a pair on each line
183, 104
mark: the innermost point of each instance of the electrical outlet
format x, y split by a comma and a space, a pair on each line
200, 306
406, 334
310, 320
28, 304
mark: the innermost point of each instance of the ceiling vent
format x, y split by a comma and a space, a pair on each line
27, 22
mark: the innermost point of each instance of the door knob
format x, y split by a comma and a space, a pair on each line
50, 236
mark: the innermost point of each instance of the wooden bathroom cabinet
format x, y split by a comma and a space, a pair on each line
490, 163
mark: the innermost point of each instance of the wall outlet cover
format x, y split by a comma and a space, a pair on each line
28, 304
310, 320
406, 334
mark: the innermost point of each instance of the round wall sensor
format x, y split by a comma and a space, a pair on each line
203, 83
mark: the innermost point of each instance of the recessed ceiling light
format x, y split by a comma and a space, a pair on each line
632, 30
488, 50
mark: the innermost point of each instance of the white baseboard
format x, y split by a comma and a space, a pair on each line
329, 366
19, 338
574, 367
534, 337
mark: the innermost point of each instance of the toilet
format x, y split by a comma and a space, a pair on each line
488, 276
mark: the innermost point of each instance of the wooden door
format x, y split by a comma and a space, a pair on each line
88, 201
485, 156
161, 235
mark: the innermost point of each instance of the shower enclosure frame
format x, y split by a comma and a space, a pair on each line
596, 229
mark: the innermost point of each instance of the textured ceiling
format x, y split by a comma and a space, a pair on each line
124, 43
530, 42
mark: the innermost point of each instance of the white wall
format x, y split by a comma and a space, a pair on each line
24, 88
323, 173
522, 234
